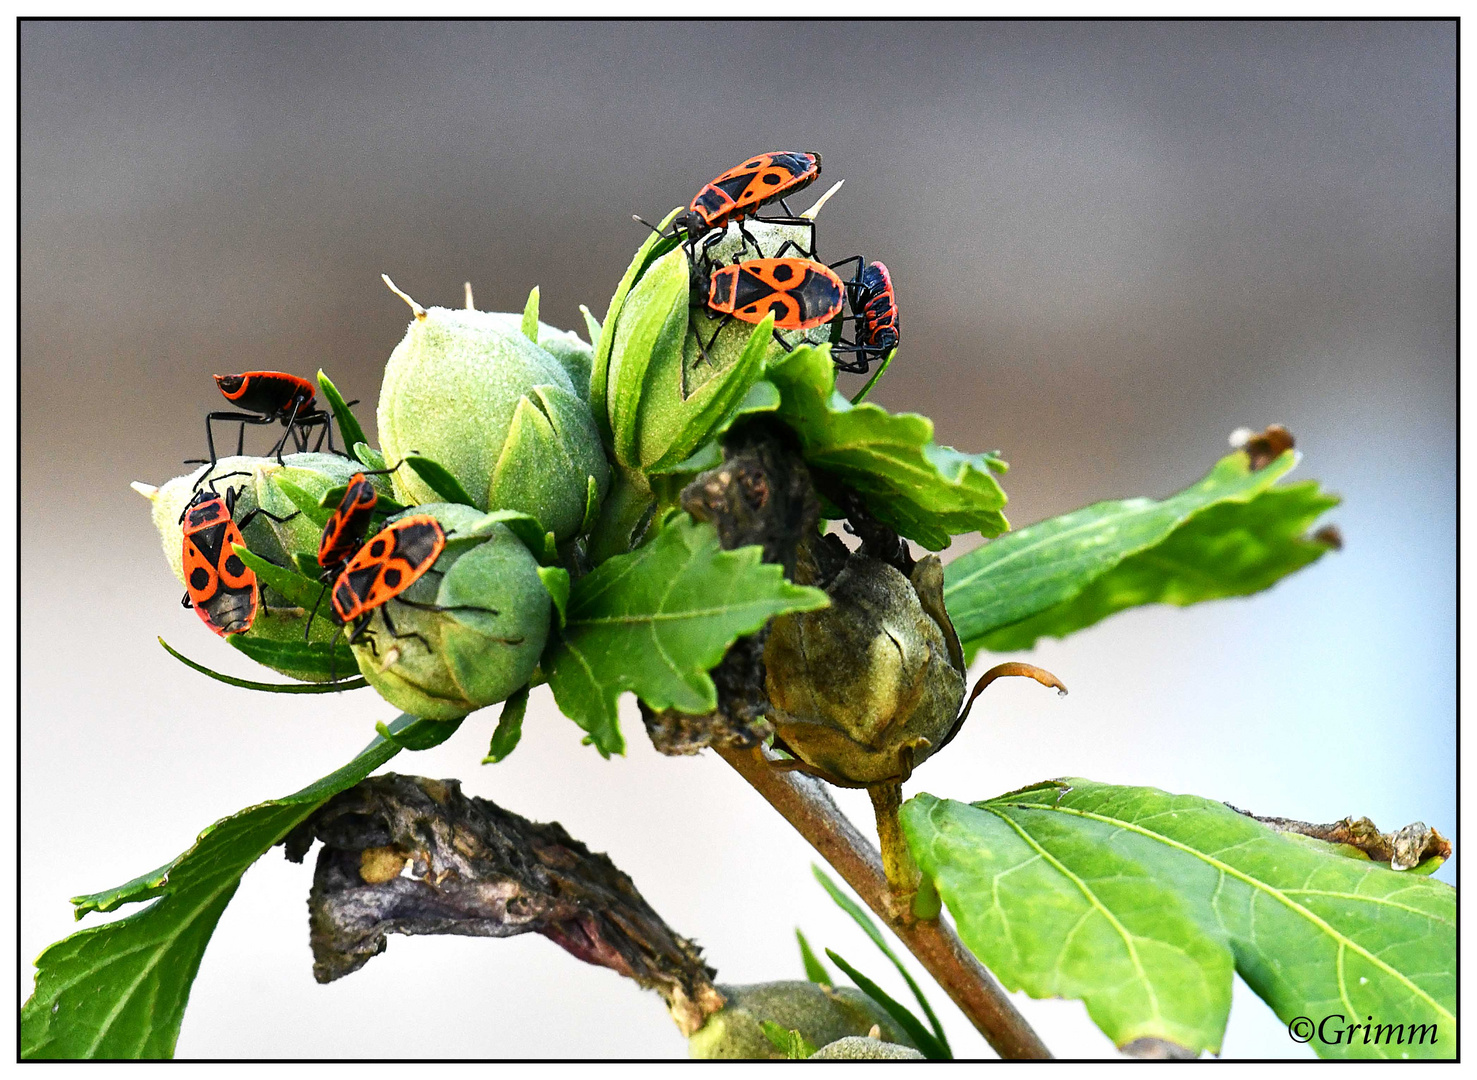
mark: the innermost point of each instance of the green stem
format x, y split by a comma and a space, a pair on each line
629, 501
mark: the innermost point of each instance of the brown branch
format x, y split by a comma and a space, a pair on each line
804, 803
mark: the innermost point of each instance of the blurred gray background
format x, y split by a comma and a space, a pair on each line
1113, 243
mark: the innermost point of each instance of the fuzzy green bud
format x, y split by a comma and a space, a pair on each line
820, 1014
444, 664
258, 483
672, 376
867, 688
470, 391
862, 1048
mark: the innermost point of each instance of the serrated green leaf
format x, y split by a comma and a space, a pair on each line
654, 621
348, 426
439, 480
815, 971
295, 588
1140, 902
271, 688
652, 248
1230, 534
530, 316
310, 507
924, 491
788, 1042
930, 1047
509, 728
861, 395
556, 581
862, 919
368, 456
119, 991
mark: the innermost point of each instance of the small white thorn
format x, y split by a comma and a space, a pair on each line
467, 288
420, 312
815, 208
1240, 437
148, 491
876, 1032
392, 656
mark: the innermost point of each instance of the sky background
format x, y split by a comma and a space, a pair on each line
1113, 244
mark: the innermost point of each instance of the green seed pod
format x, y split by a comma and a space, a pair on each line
470, 391
819, 1013
861, 1048
261, 486
664, 390
446, 664
867, 688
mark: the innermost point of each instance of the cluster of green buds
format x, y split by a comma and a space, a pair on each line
484, 426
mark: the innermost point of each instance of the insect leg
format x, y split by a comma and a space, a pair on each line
309, 628
249, 518
245, 418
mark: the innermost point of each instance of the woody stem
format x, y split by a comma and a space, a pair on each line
804, 803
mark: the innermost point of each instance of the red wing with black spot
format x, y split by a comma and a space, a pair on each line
743, 189
389, 563
221, 588
801, 293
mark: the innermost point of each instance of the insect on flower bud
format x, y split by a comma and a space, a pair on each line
260, 483
468, 632
470, 391
675, 367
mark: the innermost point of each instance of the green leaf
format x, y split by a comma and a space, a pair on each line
302, 658
369, 457
119, 991
384, 506
310, 507
655, 620
530, 318
922, 1038
861, 395
862, 919
308, 565
592, 505
924, 491
592, 326
271, 688
509, 728
439, 480
1230, 534
651, 249
707, 409
788, 1042
651, 330
1139, 903
556, 581
295, 588
815, 971
348, 427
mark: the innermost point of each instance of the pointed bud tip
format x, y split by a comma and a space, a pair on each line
420, 312
148, 491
